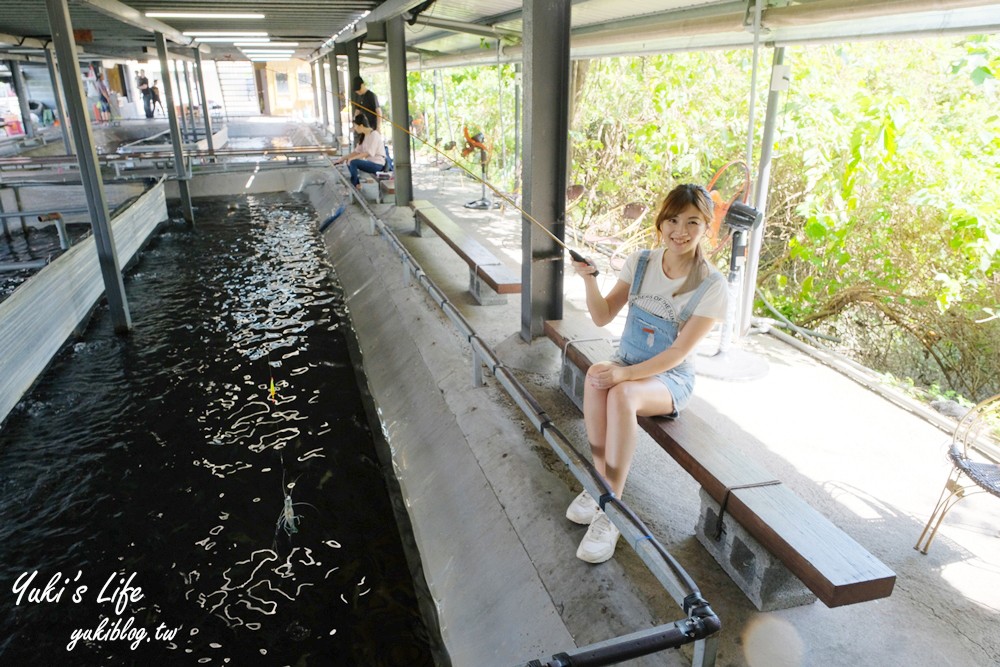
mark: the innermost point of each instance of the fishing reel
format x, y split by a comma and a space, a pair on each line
742, 217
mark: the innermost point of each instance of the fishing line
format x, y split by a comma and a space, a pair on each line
573, 253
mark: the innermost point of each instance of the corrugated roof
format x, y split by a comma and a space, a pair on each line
452, 31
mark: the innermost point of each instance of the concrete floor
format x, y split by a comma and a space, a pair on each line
514, 591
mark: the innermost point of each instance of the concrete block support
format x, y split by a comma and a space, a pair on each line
571, 380
761, 577
483, 293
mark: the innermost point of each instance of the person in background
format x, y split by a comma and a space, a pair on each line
142, 83
366, 102
674, 298
156, 97
369, 156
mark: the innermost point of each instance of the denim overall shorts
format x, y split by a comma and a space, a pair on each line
646, 335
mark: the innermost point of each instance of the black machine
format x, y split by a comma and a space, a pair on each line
741, 218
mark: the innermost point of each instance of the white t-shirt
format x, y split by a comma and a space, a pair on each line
374, 146
656, 291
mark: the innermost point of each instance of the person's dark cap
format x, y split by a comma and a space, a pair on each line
358, 82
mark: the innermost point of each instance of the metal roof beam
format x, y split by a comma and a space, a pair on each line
133, 17
467, 28
25, 42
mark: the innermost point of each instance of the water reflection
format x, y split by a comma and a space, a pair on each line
220, 455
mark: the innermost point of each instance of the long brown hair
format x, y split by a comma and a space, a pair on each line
684, 195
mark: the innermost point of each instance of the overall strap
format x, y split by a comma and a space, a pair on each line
699, 292
640, 271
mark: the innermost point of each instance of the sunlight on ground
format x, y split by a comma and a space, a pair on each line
967, 578
769, 641
859, 506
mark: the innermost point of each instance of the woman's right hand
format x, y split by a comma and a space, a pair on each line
585, 269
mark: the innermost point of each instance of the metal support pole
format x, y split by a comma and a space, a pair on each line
396, 48
315, 89
190, 96
175, 131
57, 92
180, 101
353, 69
205, 111
546, 104
779, 82
323, 103
517, 126
90, 172
21, 90
3, 218
353, 72
337, 98
20, 207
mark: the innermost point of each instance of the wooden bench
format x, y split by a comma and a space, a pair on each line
489, 278
779, 550
386, 186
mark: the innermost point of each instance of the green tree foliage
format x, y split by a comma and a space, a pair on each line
882, 220
882, 225
479, 98
885, 231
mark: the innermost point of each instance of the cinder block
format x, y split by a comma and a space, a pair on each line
762, 577
483, 293
571, 380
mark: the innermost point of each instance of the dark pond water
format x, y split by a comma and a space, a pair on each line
157, 486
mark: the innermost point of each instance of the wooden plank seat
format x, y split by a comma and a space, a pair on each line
489, 278
386, 186
777, 548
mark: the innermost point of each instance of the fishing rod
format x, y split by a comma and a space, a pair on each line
577, 257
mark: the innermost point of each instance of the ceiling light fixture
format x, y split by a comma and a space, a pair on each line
222, 33
242, 40
202, 15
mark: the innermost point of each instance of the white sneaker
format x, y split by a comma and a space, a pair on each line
582, 509
598, 544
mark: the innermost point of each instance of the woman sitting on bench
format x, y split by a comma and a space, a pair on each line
674, 297
369, 156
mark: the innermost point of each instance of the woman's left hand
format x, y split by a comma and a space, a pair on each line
605, 374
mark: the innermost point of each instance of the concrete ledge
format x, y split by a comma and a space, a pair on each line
493, 607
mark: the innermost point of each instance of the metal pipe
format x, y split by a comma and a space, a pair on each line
40, 212
29, 264
60, 227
